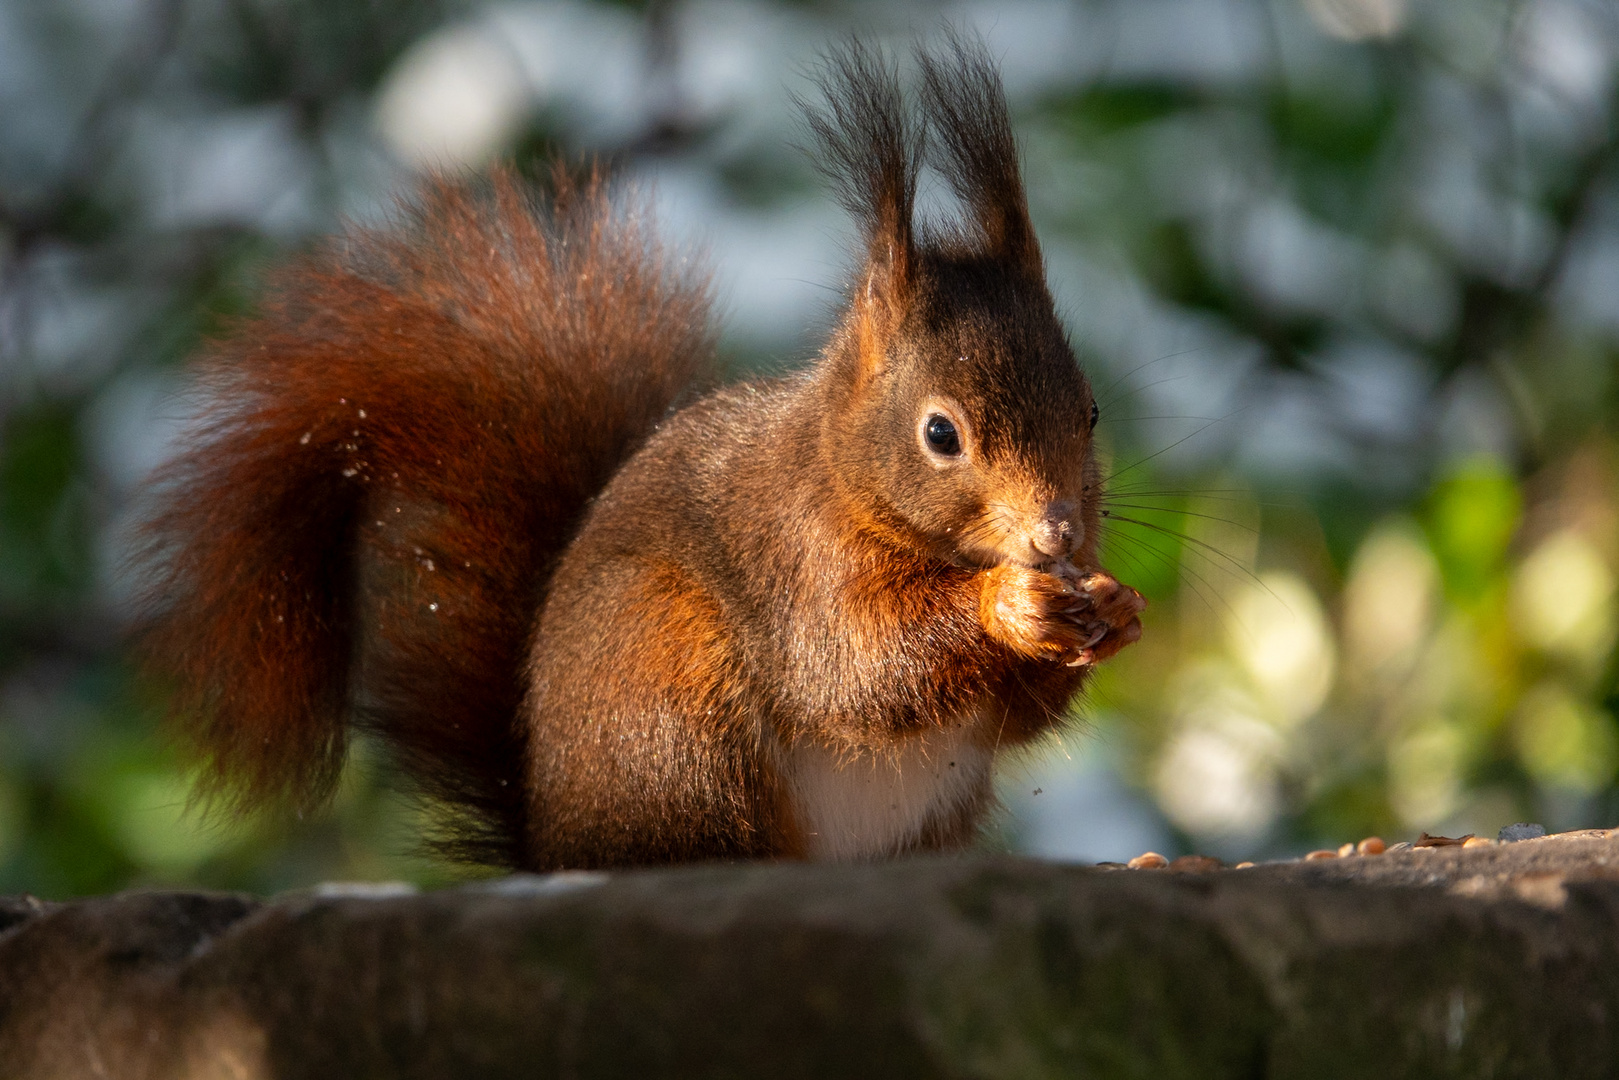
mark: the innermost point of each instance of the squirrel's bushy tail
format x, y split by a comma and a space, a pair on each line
389, 459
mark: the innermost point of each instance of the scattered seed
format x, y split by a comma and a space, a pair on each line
1148, 860
1242, 866
1324, 853
1345, 850
1372, 845
1196, 864
1478, 841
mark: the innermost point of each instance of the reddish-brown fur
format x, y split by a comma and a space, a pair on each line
608, 645
417, 416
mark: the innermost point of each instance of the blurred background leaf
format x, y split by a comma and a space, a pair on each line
1345, 274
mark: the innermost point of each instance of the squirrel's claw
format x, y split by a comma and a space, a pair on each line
1109, 613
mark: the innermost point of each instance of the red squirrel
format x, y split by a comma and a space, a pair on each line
461, 484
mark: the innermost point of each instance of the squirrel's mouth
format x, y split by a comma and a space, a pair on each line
1014, 548
1046, 539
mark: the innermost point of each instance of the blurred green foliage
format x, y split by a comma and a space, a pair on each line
1346, 294
1402, 654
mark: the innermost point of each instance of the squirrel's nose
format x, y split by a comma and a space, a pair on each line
1053, 534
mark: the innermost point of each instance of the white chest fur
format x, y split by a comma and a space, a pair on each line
870, 806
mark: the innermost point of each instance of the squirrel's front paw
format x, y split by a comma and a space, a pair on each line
1080, 620
1108, 613
1030, 611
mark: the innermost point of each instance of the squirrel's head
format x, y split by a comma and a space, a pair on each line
957, 407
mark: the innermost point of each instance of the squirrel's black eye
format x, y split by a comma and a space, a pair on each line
942, 436
1096, 414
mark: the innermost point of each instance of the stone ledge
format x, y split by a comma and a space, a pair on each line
1499, 960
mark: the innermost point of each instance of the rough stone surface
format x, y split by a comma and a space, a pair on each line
1498, 960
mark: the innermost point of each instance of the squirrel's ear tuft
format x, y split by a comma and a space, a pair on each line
966, 110
867, 144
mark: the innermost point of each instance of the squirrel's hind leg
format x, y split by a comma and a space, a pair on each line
643, 745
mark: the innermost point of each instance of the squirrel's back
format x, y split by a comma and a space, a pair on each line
389, 458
